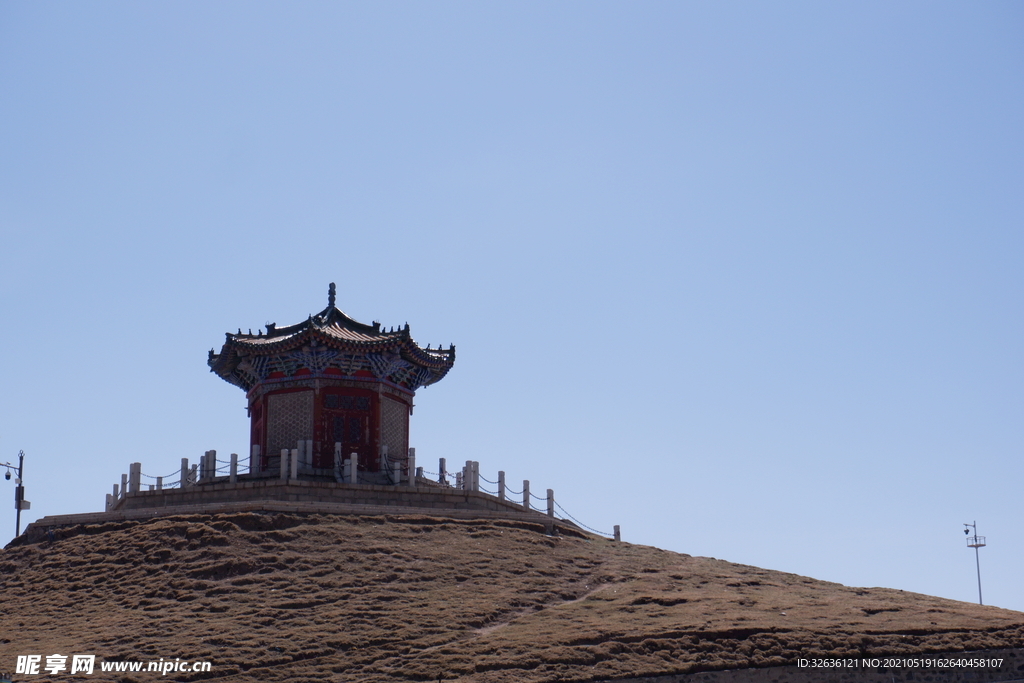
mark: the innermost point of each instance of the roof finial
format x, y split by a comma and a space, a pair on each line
330, 296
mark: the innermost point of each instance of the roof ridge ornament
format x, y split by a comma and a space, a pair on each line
330, 296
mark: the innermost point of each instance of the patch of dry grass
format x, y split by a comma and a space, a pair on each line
310, 598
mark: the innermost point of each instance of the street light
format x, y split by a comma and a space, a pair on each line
975, 542
19, 490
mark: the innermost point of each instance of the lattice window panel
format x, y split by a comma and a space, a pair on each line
394, 427
289, 420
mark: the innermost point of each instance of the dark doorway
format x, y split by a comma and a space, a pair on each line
347, 418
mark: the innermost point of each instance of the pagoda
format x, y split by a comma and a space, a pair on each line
330, 385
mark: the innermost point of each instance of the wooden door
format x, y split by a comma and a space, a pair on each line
348, 418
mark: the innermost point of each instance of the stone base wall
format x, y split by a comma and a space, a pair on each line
424, 496
312, 497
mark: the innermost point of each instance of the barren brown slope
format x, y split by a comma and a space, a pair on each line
304, 598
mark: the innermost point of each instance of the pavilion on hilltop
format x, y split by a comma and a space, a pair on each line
329, 401
332, 386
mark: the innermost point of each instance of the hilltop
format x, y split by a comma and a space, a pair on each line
279, 596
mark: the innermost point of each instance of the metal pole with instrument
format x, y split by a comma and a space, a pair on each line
975, 542
19, 490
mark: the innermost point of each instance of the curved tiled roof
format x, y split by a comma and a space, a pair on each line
245, 357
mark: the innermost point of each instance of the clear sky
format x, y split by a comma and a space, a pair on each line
744, 278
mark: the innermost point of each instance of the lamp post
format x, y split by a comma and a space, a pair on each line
975, 542
19, 490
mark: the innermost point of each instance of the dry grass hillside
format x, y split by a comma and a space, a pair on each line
275, 597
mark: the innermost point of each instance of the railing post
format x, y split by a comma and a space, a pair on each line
115, 492
295, 463
476, 475
618, 536
309, 453
254, 459
159, 483
526, 493
183, 482
353, 468
411, 467
135, 477
442, 476
419, 473
284, 464
459, 478
551, 502
234, 468
124, 485
386, 465
501, 485
110, 502
338, 476
211, 463
202, 465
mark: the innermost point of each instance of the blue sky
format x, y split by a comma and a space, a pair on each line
742, 278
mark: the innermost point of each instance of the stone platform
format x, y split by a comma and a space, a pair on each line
312, 497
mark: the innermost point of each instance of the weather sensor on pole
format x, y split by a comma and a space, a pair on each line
975, 542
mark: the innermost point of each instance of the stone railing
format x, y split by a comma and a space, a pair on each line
395, 471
